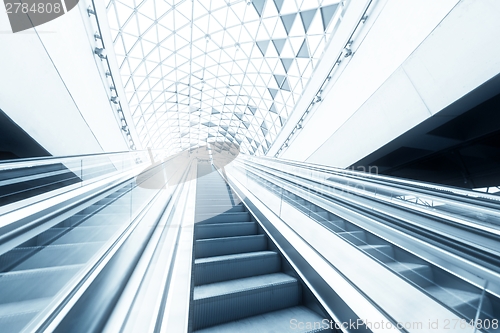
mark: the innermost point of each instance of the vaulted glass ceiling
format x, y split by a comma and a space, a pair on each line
217, 70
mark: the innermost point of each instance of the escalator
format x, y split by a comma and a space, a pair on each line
241, 281
37, 275
447, 288
244, 278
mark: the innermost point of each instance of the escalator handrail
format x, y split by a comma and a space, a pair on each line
465, 203
455, 220
50, 159
436, 189
408, 223
403, 225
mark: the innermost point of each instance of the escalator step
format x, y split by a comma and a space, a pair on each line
417, 273
272, 322
321, 215
225, 217
212, 186
355, 237
336, 226
221, 302
22, 307
463, 301
46, 236
115, 208
116, 194
57, 255
229, 245
226, 201
90, 209
102, 219
384, 253
215, 195
219, 209
83, 234
35, 283
105, 201
73, 220
235, 266
214, 230
16, 322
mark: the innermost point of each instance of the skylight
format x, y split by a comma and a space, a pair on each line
217, 70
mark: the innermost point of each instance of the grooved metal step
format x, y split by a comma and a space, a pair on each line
419, 274
219, 209
384, 253
274, 322
226, 201
229, 245
215, 196
213, 230
22, 307
355, 237
86, 234
55, 255
29, 284
224, 217
336, 226
221, 302
465, 302
235, 266
102, 219
112, 209
16, 321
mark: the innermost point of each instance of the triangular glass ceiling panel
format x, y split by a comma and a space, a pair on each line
263, 45
273, 109
259, 6
223, 64
285, 86
279, 4
307, 18
282, 121
287, 63
280, 79
273, 92
327, 14
279, 44
288, 21
303, 52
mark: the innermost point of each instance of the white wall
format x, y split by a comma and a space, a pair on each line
418, 57
54, 87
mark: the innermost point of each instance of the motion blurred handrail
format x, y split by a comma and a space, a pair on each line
44, 160
438, 188
469, 211
422, 220
24, 182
